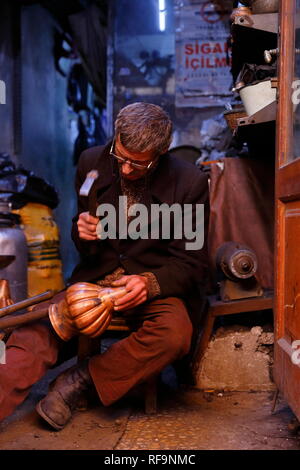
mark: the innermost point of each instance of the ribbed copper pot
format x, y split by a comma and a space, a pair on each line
61, 321
86, 309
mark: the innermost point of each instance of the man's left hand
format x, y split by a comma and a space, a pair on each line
137, 288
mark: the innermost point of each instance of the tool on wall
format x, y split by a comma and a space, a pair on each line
236, 269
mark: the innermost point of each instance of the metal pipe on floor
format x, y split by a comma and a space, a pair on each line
26, 303
17, 320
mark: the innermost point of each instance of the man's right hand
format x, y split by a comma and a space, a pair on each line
87, 226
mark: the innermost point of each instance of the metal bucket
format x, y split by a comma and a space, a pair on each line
13, 253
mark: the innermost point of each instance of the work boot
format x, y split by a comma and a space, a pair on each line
64, 394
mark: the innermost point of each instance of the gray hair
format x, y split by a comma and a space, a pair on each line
144, 127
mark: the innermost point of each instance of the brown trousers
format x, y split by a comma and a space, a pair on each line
162, 335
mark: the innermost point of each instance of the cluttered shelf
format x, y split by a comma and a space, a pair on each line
254, 31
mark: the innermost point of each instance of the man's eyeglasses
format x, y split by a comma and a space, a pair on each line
130, 162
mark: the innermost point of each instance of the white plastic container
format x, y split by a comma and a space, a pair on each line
258, 96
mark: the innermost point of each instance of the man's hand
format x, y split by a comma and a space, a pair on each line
137, 288
87, 226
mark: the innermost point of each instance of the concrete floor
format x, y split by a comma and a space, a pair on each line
186, 419
195, 420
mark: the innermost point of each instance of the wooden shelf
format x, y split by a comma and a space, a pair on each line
217, 307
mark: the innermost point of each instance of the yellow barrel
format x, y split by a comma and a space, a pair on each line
42, 235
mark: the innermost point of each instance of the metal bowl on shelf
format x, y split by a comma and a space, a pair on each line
257, 96
240, 11
263, 6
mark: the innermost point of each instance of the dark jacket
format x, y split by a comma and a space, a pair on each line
177, 270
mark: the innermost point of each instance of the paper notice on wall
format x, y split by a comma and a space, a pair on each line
203, 76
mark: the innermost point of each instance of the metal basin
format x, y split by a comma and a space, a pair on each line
264, 6
258, 96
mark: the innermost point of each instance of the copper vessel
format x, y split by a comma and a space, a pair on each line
240, 11
60, 320
86, 309
5, 297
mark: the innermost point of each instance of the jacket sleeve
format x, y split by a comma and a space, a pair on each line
186, 268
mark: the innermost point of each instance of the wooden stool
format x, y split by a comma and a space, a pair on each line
218, 308
91, 346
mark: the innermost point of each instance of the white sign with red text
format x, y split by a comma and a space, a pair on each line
202, 61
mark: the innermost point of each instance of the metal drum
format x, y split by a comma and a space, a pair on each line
13, 253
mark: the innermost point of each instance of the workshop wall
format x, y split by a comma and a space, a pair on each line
46, 138
7, 77
143, 60
35, 121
